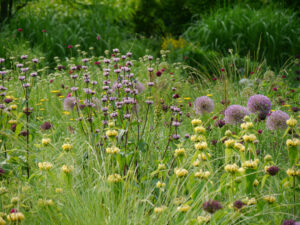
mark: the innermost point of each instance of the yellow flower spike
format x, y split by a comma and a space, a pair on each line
38, 104
46, 141
61, 96
66, 113
67, 147
183, 208
180, 172
160, 209
209, 95
42, 109
55, 91
287, 106
291, 122
187, 98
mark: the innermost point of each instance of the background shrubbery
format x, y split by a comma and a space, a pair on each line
193, 30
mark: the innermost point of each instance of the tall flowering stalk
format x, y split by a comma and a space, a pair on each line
25, 82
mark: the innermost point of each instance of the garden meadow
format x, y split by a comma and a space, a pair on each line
176, 134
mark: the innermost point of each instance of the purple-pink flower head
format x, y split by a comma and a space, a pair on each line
259, 104
69, 103
203, 104
277, 120
140, 87
212, 206
235, 114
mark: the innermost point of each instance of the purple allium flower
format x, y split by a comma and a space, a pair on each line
8, 100
289, 222
140, 87
203, 104
150, 69
24, 56
2, 60
220, 123
211, 206
150, 84
149, 102
176, 136
2, 171
259, 104
69, 103
238, 204
35, 60
24, 70
116, 50
19, 65
129, 54
235, 114
60, 67
187, 136
46, 126
277, 120
273, 170
33, 74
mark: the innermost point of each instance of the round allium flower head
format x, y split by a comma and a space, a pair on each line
259, 104
212, 206
140, 87
235, 114
69, 103
203, 104
273, 170
238, 204
289, 222
277, 120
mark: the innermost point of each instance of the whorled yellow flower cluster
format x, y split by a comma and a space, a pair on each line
45, 202
196, 138
67, 169
293, 142
202, 174
203, 219
45, 166
160, 184
112, 150
196, 122
111, 133
249, 138
270, 199
2, 221
160, 209
293, 172
46, 141
180, 172
202, 156
231, 168
229, 143
250, 164
247, 125
183, 208
201, 146
179, 152
199, 130
15, 217
240, 147
291, 122
114, 178
67, 147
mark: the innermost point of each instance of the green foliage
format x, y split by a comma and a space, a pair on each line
274, 31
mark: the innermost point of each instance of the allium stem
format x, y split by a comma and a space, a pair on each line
27, 131
145, 121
